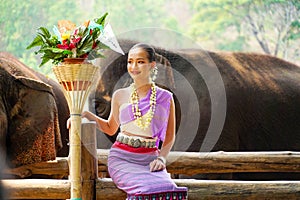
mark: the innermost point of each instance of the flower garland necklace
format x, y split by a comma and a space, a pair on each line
136, 110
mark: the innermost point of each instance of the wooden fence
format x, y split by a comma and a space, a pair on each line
94, 163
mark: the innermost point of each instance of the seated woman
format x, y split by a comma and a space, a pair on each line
146, 116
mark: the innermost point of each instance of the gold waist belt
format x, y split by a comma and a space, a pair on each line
136, 142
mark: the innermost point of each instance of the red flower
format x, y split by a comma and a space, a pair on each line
65, 42
94, 45
62, 46
76, 40
72, 46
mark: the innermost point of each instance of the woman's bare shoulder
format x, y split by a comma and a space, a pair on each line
122, 94
122, 91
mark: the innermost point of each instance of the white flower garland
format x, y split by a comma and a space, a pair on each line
136, 110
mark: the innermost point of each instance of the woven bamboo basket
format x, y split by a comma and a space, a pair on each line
76, 80
74, 76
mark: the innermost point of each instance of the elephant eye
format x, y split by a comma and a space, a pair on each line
101, 106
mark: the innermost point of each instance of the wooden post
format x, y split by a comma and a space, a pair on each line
89, 160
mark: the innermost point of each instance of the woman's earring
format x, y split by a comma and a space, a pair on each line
154, 73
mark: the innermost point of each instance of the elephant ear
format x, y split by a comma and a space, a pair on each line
15, 67
35, 84
165, 63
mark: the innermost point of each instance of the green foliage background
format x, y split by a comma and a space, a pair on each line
214, 24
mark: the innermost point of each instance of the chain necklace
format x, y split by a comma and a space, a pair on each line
136, 110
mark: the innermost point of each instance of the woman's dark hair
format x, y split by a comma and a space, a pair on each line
150, 50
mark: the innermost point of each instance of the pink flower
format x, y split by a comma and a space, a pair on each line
75, 32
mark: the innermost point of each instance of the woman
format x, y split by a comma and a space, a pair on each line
146, 116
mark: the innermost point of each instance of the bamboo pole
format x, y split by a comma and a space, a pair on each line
75, 157
89, 162
76, 79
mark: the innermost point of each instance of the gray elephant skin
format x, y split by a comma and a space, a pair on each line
262, 98
33, 112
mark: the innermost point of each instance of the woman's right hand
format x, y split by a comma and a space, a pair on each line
88, 115
84, 114
69, 123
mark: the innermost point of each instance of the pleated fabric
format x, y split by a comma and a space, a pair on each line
129, 169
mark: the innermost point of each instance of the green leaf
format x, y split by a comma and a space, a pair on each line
44, 61
101, 20
100, 45
83, 31
96, 33
45, 32
37, 41
85, 45
95, 54
57, 50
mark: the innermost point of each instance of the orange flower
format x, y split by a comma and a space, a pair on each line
65, 26
86, 23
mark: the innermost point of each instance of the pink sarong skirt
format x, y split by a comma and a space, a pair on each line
129, 169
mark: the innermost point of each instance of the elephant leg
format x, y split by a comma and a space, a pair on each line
33, 129
3, 131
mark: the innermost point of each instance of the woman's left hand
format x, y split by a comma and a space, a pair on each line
157, 165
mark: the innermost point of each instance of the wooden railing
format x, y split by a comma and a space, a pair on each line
189, 163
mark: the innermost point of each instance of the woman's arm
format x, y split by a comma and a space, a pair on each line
167, 145
170, 134
111, 125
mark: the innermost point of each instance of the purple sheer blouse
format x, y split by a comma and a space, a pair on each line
160, 119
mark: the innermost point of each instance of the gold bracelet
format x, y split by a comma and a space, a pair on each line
162, 159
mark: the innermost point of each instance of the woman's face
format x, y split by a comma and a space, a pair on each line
138, 64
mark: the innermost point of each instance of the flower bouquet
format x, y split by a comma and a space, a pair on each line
69, 41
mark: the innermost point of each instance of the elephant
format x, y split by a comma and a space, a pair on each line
225, 101
33, 112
